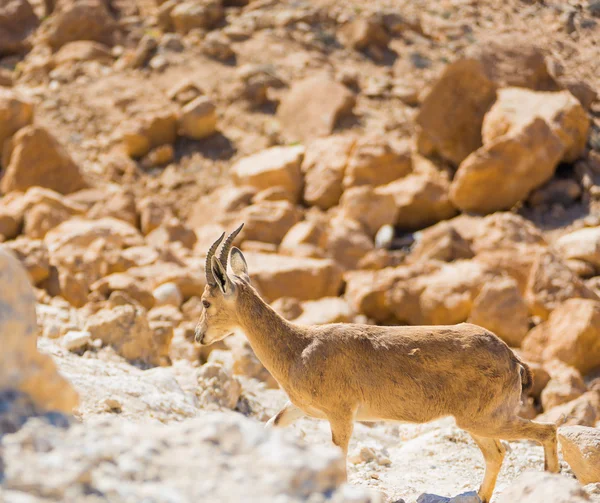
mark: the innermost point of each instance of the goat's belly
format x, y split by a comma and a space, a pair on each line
368, 413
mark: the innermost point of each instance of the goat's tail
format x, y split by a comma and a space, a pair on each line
526, 375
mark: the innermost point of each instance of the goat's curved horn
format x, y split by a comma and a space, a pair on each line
210, 279
227, 246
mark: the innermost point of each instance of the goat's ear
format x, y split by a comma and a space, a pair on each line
238, 264
221, 277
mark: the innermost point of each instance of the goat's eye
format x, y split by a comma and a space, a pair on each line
206, 304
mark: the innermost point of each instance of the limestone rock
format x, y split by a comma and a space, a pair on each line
372, 207
516, 107
582, 411
499, 307
324, 166
119, 204
421, 200
268, 221
15, 112
126, 329
76, 340
35, 157
170, 232
149, 130
217, 387
506, 169
22, 367
192, 14
33, 254
452, 113
538, 487
374, 161
276, 166
565, 384
79, 20
580, 447
82, 50
512, 60
364, 32
551, 282
313, 106
122, 282
440, 242
198, 118
303, 278
582, 244
167, 294
267, 465
325, 310
571, 334
17, 22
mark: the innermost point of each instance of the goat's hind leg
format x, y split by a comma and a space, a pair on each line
543, 433
518, 428
493, 454
286, 416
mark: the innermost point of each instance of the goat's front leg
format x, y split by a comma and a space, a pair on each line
342, 425
285, 416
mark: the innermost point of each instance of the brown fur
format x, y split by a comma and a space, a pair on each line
347, 372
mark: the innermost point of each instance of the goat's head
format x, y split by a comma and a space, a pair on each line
219, 314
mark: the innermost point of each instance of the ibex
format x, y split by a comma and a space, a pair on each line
346, 372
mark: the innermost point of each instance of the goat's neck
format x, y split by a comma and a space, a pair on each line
275, 341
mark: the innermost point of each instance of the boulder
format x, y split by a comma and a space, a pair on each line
516, 108
198, 118
170, 232
80, 51
512, 60
375, 161
580, 447
22, 367
364, 32
218, 207
571, 334
347, 241
582, 244
452, 112
33, 255
307, 238
268, 221
372, 207
323, 167
152, 213
191, 14
275, 166
543, 487
15, 112
325, 310
191, 282
550, 283
79, 20
500, 307
149, 130
17, 22
432, 293
217, 387
126, 329
506, 169
421, 200
302, 278
440, 242
582, 411
135, 289
565, 384
313, 106
35, 157
118, 204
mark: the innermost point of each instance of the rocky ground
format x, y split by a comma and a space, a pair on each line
394, 162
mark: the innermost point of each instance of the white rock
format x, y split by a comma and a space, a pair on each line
75, 340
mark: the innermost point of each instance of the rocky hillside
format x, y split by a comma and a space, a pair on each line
394, 162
